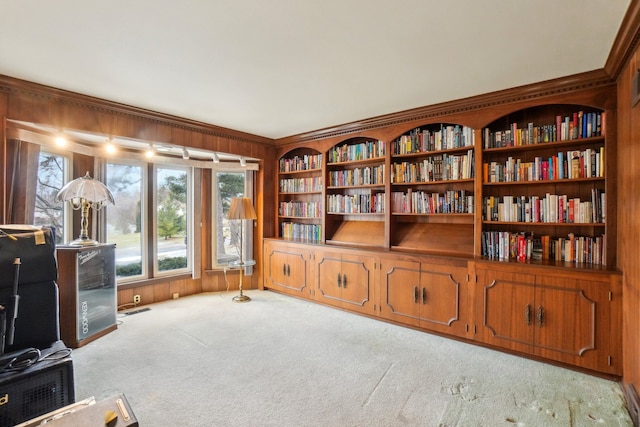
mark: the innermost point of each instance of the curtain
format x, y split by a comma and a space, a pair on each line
22, 178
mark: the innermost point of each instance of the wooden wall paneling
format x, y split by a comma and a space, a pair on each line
628, 183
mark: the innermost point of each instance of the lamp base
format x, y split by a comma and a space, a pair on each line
81, 241
241, 298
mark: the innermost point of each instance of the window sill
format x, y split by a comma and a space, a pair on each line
153, 281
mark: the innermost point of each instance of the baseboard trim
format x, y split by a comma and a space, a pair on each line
633, 403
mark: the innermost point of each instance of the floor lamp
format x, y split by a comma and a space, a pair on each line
241, 209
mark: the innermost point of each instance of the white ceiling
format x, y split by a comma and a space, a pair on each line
277, 68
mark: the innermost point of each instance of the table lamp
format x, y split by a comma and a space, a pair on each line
85, 193
241, 209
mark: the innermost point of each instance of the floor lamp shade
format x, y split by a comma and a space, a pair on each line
241, 209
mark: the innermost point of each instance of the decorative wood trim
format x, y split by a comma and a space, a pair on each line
625, 42
13, 86
536, 91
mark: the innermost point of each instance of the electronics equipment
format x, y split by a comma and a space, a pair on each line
112, 412
37, 324
41, 388
35, 247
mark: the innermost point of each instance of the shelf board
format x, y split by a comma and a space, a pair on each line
432, 153
342, 187
357, 213
448, 181
300, 193
547, 224
542, 182
300, 171
552, 263
299, 217
547, 145
374, 160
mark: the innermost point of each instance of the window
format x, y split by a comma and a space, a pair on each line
53, 173
125, 222
230, 183
172, 210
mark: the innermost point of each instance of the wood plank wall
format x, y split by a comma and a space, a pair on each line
30, 102
628, 218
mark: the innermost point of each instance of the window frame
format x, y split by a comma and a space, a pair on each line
154, 214
249, 191
67, 211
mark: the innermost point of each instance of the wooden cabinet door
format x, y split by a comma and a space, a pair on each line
572, 321
506, 306
400, 291
329, 278
442, 298
345, 280
286, 268
357, 283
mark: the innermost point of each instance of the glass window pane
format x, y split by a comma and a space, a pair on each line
125, 222
52, 170
228, 186
172, 215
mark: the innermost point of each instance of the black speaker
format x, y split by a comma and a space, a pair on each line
39, 389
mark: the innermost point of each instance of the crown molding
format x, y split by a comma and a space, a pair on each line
626, 41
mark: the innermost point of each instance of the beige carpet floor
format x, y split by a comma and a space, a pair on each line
279, 361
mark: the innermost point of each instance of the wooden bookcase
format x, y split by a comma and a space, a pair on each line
356, 193
544, 187
432, 190
418, 245
300, 194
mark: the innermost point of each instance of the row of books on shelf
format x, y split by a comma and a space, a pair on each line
359, 151
551, 208
357, 203
302, 232
573, 164
358, 176
441, 167
301, 185
504, 245
301, 163
578, 125
422, 140
300, 209
420, 202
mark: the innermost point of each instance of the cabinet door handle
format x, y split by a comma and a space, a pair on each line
415, 294
344, 280
540, 316
424, 295
339, 280
288, 270
527, 314
284, 269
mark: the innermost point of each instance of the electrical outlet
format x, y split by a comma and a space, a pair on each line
136, 299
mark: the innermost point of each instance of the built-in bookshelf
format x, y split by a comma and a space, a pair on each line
355, 192
300, 202
544, 187
432, 189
